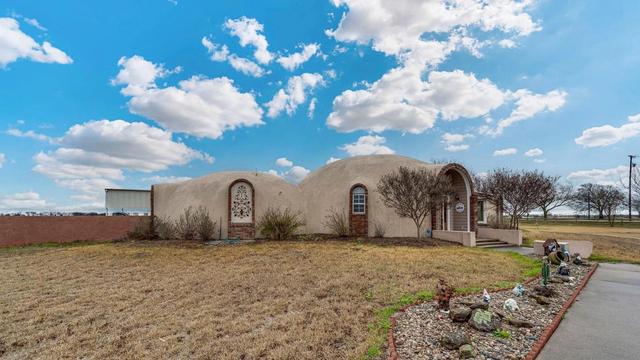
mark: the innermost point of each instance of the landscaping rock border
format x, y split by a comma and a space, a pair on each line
543, 337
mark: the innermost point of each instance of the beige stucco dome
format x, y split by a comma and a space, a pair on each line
328, 188
212, 192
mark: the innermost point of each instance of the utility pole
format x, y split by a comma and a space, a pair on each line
631, 166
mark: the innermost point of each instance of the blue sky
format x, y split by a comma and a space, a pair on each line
126, 94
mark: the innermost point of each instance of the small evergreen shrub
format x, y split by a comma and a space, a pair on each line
337, 223
279, 224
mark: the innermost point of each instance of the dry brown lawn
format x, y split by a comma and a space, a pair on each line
273, 300
617, 243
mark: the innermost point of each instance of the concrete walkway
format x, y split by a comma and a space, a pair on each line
604, 322
523, 250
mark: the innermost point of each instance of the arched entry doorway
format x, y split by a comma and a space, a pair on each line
458, 213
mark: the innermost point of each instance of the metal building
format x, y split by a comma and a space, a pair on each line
127, 201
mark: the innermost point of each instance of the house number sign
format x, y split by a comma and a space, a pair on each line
459, 207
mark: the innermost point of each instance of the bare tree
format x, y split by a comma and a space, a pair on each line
519, 192
604, 199
635, 204
583, 200
612, 199
413, 193
635, 188
553, 195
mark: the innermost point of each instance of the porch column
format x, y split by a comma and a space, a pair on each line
473, 206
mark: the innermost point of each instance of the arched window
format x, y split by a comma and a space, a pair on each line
241, 197
358, 200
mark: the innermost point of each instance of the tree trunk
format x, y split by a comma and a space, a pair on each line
545, 212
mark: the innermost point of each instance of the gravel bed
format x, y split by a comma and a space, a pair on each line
419, 329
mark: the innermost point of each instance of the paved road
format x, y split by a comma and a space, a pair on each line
604, 322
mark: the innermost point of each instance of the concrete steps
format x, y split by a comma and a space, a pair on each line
491, 243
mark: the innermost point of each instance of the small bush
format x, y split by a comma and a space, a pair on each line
502, 334
379, 229
337, 223
164, 228
187, 225
205, 227
278, 224
142, 230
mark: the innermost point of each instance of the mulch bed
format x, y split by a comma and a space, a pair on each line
418, 329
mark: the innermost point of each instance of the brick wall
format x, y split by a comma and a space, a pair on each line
24, 230
359, 223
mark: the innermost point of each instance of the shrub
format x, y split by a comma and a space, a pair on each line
187, 225
502, 334
337, 223
205, 227
142, 230
164, 228
379, 229
279, 224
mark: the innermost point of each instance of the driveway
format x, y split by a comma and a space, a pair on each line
604, 322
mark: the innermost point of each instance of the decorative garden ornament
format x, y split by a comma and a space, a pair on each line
518, 290
510, 305
485, 296
563, 269
545, 271
443, 295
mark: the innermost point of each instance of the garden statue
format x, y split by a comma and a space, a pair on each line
563, 269
545, 271
577, 259
510, 305
485, 296
443, 294
518, 290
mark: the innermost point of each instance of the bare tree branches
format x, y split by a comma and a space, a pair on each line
605, 199
520, 192
554, 194
413, 193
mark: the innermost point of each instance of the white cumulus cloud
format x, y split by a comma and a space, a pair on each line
293, 173
609, 176
295, 60
157, 179
15, 44
529, 105
534, 152
221, 53
402, 101
454, 142
505, 152
298, 87
249, 32
198, 106
395, 26
23, 202
606, 135
368, 145
93, 155
284, 162
332, 160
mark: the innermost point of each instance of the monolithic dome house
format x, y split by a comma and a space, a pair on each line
237, 199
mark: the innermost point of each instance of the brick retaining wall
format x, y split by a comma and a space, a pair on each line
24, 230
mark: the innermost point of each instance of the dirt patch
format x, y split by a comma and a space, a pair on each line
269, 300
